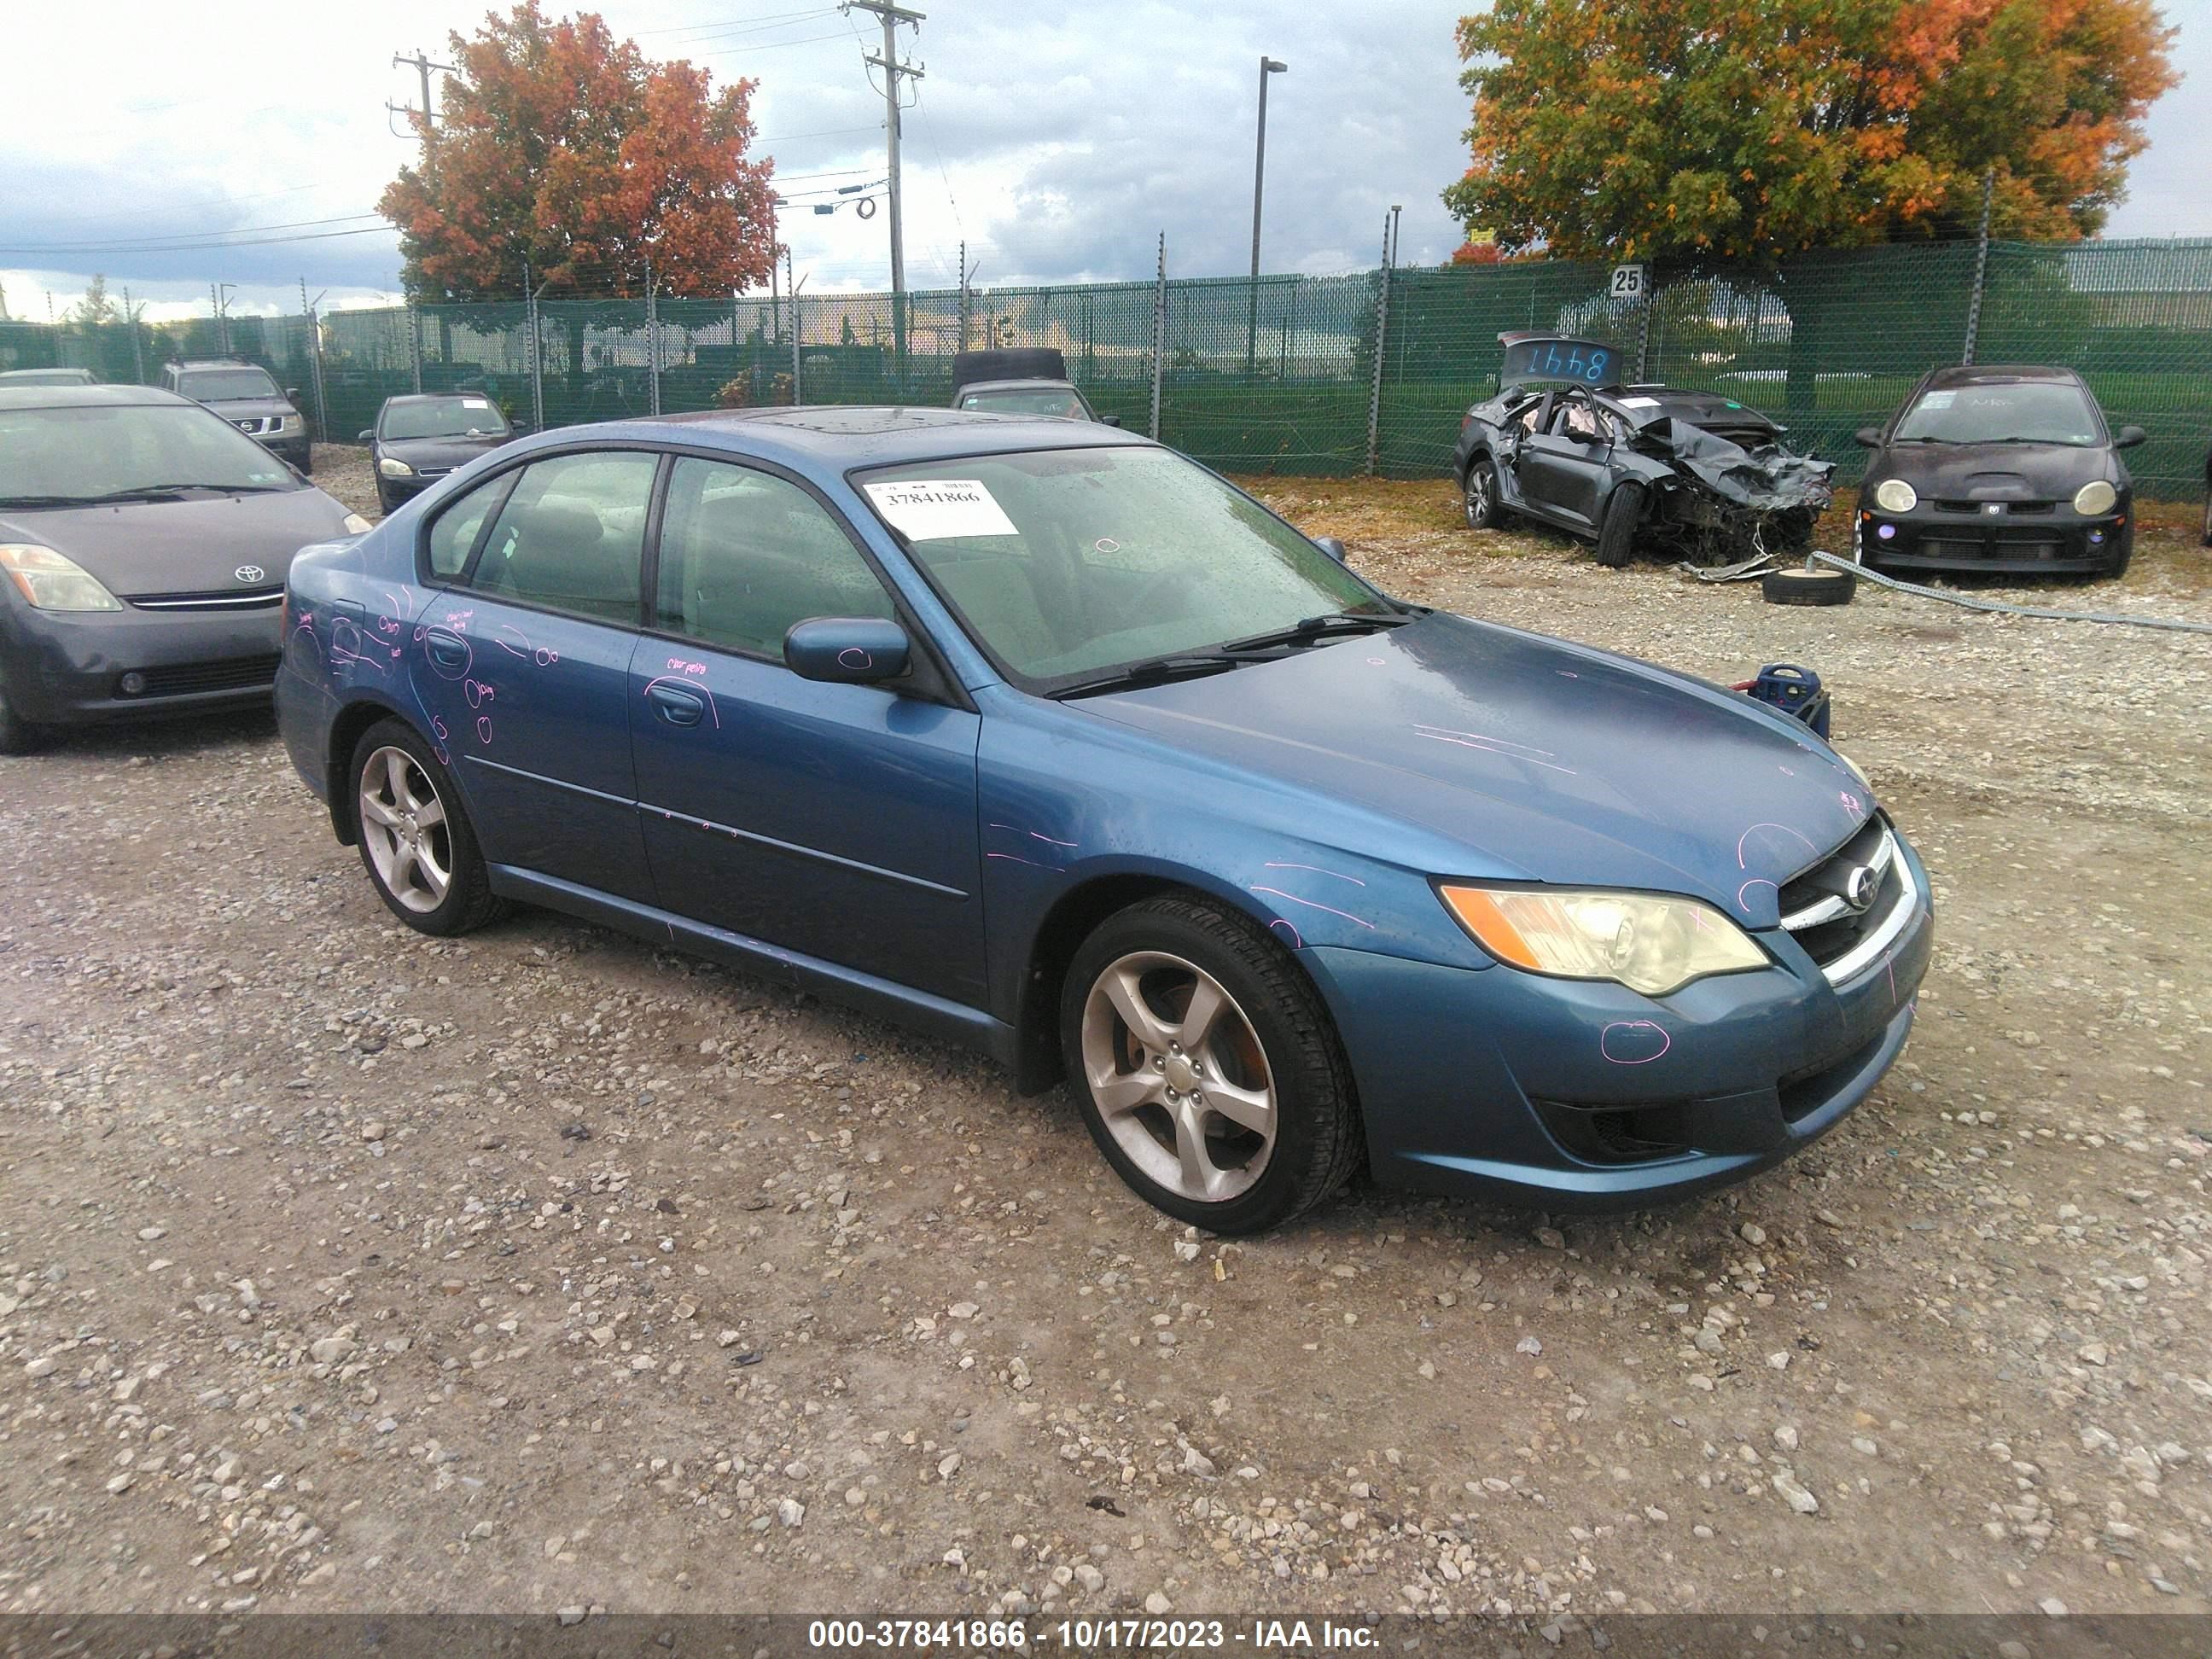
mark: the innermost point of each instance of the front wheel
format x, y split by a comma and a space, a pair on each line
1206, 1068
1485, 510
417, 841
1616, 534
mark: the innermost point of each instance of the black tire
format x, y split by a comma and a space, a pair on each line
1616, 534
2207, 513
305, 463
17, 735
1317, 1141
1819, 587
2126, 553
468, 901
1479, 495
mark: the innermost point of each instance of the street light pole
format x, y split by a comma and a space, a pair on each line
1267, 66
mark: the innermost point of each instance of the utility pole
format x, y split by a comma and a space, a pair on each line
138, 352
892, 16
422, 65
791, 289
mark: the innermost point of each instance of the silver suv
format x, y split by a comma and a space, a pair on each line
244, 394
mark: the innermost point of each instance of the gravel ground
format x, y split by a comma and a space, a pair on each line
545, 1269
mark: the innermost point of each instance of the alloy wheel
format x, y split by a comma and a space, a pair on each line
1178, 1076
1478, 496
405, 828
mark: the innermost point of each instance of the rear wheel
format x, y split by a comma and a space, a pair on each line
1206, 1068
1485, 510
417, 841
1616, 535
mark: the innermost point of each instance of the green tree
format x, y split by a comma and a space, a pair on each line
1706, 132
96, 308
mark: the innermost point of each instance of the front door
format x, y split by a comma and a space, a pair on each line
523, 668
836, 821
1563, 467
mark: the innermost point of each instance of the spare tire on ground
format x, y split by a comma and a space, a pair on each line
1814, 586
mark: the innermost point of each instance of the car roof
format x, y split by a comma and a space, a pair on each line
215, 362
845, 435
1999, 374
1016, 385
51, 368
82, 397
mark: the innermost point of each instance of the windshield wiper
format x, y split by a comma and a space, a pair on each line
1157, 670
1312, 628
161, 491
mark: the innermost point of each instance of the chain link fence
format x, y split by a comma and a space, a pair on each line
1298, 375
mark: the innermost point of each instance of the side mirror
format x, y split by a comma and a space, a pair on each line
518, 429
2129, 437
292, 394
1330, 545
1868, 437
365, 435
846, 650
1109, 420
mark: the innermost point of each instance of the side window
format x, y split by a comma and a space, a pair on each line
454, 532
1576, 416
1531, 418
571, 535
745, 555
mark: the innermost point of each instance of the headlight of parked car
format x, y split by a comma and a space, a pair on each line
1646, 941
1895, 496
356, 524
2092, 498
52, 582
392, 467
292, 423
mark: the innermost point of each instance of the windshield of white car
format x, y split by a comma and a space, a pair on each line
222, 386
441, 418
72, 456
1026, 400
2017, 412
1065, 563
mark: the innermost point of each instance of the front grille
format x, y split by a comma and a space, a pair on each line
180, 679
230, 598
1844, 939
256, 424
2011, 509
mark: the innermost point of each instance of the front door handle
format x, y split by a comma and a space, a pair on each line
446, 648
675, 705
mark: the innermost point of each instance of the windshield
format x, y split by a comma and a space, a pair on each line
441, 418
2020, 412
1027, 400
1063, 563
76, 453
214, 385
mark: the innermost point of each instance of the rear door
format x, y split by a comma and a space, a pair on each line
836, 821
523, 667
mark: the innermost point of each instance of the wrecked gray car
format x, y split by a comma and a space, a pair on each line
1689, 474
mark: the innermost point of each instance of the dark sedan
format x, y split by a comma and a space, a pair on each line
418, 439
1039, 736
143, 546
2006, 469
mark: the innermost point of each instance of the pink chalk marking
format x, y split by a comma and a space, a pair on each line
1284, 864
524, 650
1889, 967
547, 656
478, 693
1277, 892
677, 665
1010, 859
1567, 673
713, 713
1034, 834
1375, 662
845, 658
1290, 930
1783, 828
438, 727
1743, 893
483, 728
1645, 1030
1852, 803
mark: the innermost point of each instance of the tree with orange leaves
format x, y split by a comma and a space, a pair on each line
563, 149
1703, 132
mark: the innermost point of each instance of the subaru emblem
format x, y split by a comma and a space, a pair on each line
249, 572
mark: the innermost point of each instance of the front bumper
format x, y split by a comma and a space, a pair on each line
1564, 1094
2058, 542
67, 668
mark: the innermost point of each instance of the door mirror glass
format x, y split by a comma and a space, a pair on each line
1109, 420
846, 650
1330, 545
365, 436
2129, 437
1868, 437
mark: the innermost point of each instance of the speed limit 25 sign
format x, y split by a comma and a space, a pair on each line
1627, 282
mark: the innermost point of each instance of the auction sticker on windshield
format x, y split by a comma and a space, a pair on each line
940, 510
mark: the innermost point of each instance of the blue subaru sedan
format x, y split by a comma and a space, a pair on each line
1038, 736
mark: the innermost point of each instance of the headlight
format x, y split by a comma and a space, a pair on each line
1646, 941
392, 467
52, 582
355, 523
1856, 770
292, 423
1895, 496
2093, 498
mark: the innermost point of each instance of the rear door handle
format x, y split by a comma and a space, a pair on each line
446, 648
675, 705
352, 610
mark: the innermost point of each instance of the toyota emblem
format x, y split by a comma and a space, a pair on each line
249, 572
1860, 887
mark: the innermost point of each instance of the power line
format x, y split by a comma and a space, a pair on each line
194, 248
763, 19
182, 239
770, 46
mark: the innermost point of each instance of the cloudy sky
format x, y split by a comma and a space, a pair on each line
1056, 140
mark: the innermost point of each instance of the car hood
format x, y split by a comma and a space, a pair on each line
193, 546
1996, 472
439, 452
246, 409
1528, 758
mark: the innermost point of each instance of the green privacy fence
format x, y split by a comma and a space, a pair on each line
1321, 376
